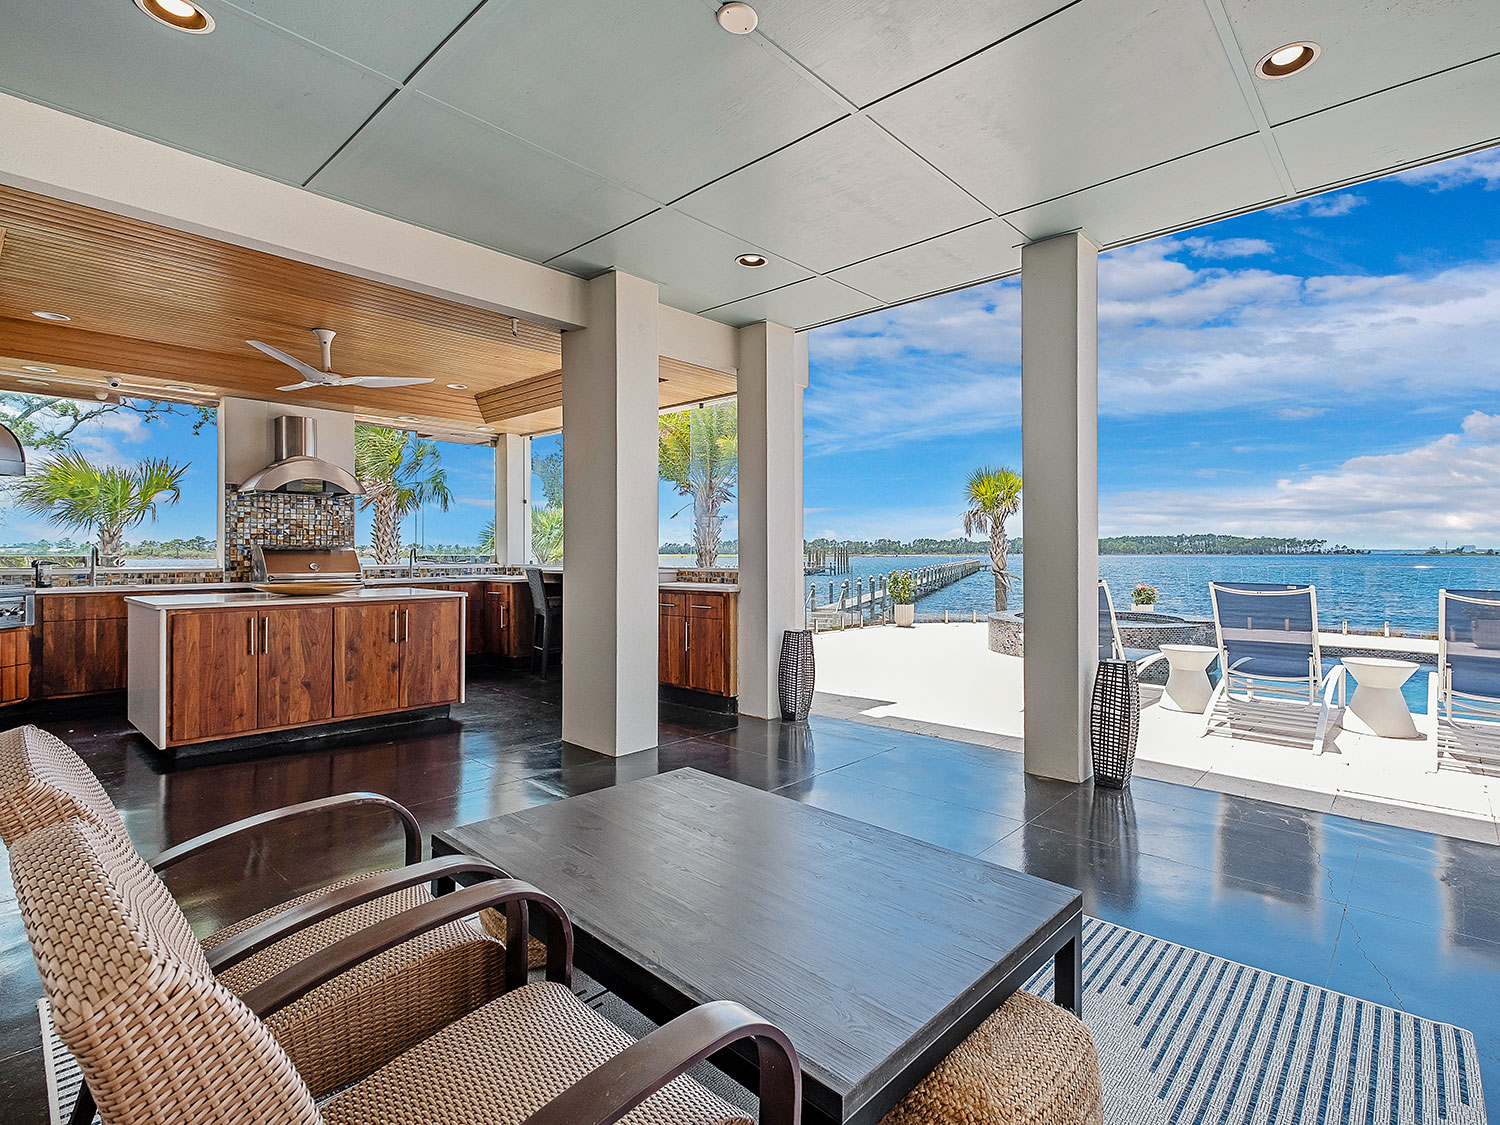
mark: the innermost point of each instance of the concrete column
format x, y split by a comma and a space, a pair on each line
772, 376
512, 500
609, 494
1059, 453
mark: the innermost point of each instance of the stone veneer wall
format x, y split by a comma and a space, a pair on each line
722, 577
282, 519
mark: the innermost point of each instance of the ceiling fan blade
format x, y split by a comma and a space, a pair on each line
381, 381
297, 387
307, 371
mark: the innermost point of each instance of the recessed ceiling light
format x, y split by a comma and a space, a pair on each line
32, 382
1287, 60
458, 386
52, 316
39, 370
487, 429
737, 18
754, 261
406, 417
178, 14
183, 390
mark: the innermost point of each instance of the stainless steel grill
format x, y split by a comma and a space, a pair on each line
305, 571
17, 607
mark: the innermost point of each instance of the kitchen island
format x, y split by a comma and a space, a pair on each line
211, 666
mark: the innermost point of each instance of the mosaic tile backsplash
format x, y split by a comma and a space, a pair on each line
282, 519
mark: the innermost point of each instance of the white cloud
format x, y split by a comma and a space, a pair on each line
1216, 248
1328, 206
1300, 413
1445, 488
1475, 168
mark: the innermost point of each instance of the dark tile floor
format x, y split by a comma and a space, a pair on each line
1389, 914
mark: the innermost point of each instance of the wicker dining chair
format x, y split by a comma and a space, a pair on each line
161, 1041
394, 1000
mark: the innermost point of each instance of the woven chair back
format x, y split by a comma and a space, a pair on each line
42, 782
159, 1040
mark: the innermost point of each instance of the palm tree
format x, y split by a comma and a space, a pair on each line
994, 495
547, 534
75, 494
399, 473
699, 456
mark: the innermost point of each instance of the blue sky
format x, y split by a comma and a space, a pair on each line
1327, 368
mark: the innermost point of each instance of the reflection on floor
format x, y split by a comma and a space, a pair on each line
1392, 915
943, 680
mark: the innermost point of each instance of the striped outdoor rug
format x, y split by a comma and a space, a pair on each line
1184, 1037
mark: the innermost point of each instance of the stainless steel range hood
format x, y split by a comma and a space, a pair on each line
297, 467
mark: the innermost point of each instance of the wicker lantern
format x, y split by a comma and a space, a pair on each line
796, 674
1114, 722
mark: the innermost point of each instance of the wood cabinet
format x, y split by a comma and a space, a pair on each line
508, 619
233, 671
697, 641
392, 656
475, 631
15, 665
79, 644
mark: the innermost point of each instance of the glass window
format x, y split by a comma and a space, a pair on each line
699, 464
138, 478
547, 499
436, 495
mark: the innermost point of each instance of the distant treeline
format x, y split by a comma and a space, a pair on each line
1112, 545
726, 547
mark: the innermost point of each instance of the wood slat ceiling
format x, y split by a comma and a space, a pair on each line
160, 307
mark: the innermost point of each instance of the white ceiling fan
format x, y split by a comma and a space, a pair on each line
312, 377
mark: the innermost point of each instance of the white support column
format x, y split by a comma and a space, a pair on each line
1059, 452
772, 376
512, 507
610, 610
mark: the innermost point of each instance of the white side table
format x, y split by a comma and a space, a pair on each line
1378, 707
1187, 682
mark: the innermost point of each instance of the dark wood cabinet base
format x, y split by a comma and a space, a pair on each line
297, 740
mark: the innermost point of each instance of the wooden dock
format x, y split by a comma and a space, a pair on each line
867, 601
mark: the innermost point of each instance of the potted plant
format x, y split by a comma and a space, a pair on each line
1143, 598
903, 595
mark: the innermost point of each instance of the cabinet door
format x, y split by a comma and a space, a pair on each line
296, 666
474, 608
672, 641
431, 658
499, 617
212, 674
82, 655
15, 664
707, 667
366, 659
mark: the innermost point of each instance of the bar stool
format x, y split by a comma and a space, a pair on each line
546, 622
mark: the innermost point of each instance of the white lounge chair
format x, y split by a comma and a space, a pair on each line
1464, 693
1268, 650
1111, 647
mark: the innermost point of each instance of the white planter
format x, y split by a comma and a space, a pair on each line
906, 615
1145, 607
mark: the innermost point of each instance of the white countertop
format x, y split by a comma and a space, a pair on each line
229, 598
702, 587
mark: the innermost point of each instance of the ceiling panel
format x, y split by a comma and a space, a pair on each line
390, 38
653, 94
1366, 47
866, 50
1438, 115
1075, 101
800, 305
1191, 189
439, 169
844, 194
692, 263
247, 95
976, 253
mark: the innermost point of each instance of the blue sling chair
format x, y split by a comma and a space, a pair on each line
1465, 690
1268, 651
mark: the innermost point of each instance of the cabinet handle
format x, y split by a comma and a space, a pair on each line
405, 625
250, 621
502, 615
395, 613
265, 635
686, 632
701, 607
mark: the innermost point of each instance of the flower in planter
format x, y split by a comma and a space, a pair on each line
1143, 595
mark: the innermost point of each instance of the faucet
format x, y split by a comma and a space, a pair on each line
411, 562
93, 565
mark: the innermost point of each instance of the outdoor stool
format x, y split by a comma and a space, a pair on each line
1030, 1063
